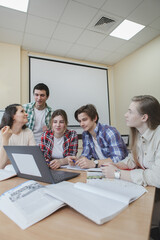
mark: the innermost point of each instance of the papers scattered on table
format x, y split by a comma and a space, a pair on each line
28, 203
82, 169
100, 201
7, 172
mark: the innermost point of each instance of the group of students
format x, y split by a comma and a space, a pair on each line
35, 123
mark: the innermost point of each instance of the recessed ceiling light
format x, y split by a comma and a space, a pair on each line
127, 30
20, 5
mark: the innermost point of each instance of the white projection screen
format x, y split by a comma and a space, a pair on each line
71, 86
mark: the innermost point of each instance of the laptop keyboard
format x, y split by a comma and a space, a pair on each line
59, 176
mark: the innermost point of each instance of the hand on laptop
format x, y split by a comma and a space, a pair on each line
54, 164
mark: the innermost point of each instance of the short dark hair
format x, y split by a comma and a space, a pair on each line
41, 86
7, 119
59, 112
89, 109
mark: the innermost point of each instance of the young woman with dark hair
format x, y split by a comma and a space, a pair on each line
13, 131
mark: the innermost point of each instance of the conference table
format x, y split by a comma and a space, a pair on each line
66, 224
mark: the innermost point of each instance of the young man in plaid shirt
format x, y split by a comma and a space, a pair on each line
39, 113
102, 143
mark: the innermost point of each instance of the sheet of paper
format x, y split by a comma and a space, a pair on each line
26, 164
4, 174
28, 203
123, 188
82, 169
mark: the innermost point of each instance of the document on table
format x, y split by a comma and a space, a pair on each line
7, 172
81, 169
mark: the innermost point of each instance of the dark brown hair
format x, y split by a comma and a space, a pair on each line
89, 109
7, 119
41, 86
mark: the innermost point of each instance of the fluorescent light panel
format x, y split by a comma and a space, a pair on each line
20, 5
127, 30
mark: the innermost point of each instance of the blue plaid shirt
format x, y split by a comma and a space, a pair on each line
109, 140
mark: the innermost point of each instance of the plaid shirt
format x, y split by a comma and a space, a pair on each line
70, 145
109, 140
29, 109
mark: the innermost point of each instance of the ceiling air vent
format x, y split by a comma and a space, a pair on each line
104, 24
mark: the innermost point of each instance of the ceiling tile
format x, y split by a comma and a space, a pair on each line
11, 36
12, 19
51, 9
34, 43
97, 55
121, 7
77, 14
78, 51
90, 38
146, 13
93, 3
112, 58
145, 35
57, 47
128, 47
40, 26
67, 33
156, 24
111, 43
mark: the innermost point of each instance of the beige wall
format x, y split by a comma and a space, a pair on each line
137, 74
10, 65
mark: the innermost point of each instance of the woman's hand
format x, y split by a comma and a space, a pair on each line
54, 164
6, 134
108, 170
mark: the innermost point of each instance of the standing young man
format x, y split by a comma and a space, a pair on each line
101, 142
39, 113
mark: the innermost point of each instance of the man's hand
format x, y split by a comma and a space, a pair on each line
72, 160
84, 162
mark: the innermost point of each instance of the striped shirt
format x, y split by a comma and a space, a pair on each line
70, 145
109, 141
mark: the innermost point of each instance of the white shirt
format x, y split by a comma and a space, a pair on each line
148, 153
39, 123
57, 151
98, 149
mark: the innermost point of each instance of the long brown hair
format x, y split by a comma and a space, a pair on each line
59, 112
150, 106
7, 119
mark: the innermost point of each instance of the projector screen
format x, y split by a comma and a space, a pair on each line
71, 86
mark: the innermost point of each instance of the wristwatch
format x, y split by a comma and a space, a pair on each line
96, 162
117, 174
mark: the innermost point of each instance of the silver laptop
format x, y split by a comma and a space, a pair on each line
29, 162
